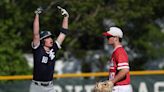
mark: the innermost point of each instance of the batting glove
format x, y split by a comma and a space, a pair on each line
63, 11
38, 10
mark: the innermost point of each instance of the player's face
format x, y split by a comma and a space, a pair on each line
110, 39
48, 42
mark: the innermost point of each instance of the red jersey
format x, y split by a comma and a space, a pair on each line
119, 60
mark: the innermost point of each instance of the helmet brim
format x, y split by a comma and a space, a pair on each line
46, 36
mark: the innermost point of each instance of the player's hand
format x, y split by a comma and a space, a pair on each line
38, 10
63, 11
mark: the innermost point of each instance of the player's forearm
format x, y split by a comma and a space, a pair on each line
65, 23
121, 75
36, 25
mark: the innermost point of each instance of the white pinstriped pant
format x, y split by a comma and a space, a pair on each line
39, 88
122, 88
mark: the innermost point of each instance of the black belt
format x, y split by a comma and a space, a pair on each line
42, 84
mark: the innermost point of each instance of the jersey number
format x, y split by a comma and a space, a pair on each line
44, 59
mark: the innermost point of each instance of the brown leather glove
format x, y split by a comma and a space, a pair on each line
105, 86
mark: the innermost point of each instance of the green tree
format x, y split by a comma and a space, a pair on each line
11, 57
140, 20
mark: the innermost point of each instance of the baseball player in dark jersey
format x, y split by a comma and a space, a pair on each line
44, 51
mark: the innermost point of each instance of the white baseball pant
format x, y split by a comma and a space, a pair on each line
122, 88
39, 88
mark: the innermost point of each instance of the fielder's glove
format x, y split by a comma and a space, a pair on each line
103, 86
38, 10
63, 11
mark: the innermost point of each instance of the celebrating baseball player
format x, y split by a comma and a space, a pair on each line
44, 51
119, 78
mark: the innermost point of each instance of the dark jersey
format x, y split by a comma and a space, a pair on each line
44, 62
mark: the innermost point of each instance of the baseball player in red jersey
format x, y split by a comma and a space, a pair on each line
119, 65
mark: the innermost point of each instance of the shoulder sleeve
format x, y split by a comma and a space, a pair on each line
122, 59
56, 46
35, 47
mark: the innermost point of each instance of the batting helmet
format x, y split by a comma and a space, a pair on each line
45, 34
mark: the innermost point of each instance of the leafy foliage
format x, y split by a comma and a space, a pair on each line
137, 18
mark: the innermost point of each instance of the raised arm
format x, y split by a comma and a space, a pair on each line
36, 36
64, 29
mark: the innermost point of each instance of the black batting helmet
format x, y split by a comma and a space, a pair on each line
45, 34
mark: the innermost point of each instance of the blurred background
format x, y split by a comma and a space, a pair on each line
85, 50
